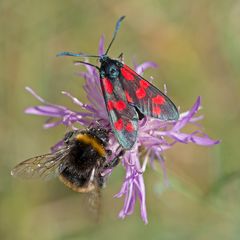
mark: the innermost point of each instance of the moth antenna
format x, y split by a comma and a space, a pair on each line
86, 63
76, 55
115, 33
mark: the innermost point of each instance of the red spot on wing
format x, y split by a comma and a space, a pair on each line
144, 83
129, 99
127, 73
156, 110
119, 124
108, 85
129, 127
110, 105
140, 93
158, 100
120, 105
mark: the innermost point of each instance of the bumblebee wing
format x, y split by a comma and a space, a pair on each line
94, 202
44, 166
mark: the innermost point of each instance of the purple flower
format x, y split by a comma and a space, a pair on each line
154, 136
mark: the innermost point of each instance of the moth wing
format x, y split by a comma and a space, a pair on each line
146, 97
123, 117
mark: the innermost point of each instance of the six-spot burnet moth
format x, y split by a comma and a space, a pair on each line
128, 96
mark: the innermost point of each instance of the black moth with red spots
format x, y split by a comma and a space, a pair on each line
128, 97
126, 94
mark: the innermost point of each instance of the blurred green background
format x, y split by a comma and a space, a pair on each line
197, 46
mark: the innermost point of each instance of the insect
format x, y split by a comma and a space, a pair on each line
128, 96
79, 163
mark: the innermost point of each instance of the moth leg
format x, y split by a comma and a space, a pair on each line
120, 57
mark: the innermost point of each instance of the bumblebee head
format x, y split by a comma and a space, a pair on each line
101, 134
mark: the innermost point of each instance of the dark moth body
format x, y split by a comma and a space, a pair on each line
110, 68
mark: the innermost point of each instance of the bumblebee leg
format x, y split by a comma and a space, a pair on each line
109, 152
101, 180
67, 136
115, 161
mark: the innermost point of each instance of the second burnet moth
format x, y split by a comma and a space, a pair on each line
128, 96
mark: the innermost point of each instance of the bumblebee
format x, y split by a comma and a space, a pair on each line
79, 163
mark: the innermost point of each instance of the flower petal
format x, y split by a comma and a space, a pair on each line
144, 66
182, 122
101, 46
45, 111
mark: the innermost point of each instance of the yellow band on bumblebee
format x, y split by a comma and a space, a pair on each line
88, 139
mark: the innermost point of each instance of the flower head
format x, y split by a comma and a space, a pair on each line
154, 136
